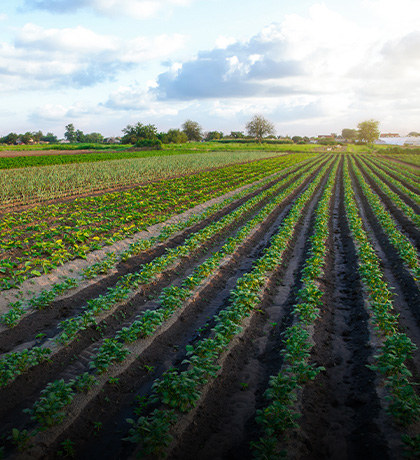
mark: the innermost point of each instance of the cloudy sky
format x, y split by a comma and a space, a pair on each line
309, 67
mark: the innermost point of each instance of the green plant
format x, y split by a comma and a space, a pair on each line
67, 449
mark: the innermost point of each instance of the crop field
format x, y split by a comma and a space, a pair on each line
256, 304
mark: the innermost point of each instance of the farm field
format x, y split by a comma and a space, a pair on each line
214, 310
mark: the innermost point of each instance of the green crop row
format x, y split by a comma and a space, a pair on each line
57, 395
127, 284
47, 296
400, 242
397, 348
280, 414
399, 184
40, 239
148, 272
406, 170
173, 297
34, 185
407, 210
181, 390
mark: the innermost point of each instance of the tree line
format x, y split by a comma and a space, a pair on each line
147, 135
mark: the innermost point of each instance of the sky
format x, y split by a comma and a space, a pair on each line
309, 67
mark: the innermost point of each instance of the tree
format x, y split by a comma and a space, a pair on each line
414, 134
368, 131
297, 139
10, 139
80, 136
94, 138
193, 130
70, 133
176, 136
49, 137
349, 134
214, 136
237, 134
259, 127
138, 132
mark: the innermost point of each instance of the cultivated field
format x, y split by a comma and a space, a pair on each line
250, 306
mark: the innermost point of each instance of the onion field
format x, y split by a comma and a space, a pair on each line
261, 305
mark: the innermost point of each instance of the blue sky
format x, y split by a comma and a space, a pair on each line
309, 67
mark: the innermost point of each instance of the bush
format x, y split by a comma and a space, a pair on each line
149, 143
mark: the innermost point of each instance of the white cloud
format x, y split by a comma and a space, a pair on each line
223, 42
76, 56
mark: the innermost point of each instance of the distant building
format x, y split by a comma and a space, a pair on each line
387, 135
412, 141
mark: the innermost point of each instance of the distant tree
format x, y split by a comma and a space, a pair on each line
368, 131
259, 127
94, 138
49, 137
37, 136
70, 133
349, 134
414, 134
237, 134
138, 132
193, 130
176, 136
10, 139
297, 139
80, 136
26, 138
213, 136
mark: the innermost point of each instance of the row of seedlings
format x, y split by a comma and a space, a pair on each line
18, 309
41, 240
174, 297
178, 392
407, 210
396, 183
280, 415
401, 243
11, 365
405, 171
61, 393
396, 347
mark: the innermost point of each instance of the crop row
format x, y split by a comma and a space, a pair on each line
34, 185
402, 244
399, 184
129, 284
40, 239
407, 210
280, 414
181, 390
396, 348
46, 297
406, 170
48, 410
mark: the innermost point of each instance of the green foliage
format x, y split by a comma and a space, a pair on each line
138, 132
349, 134
47, 411
368, 131
193, 130
259, 127
149, 143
